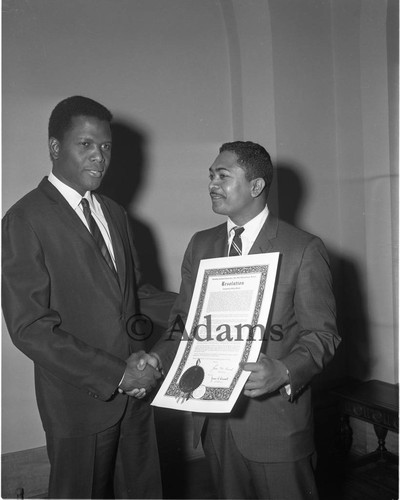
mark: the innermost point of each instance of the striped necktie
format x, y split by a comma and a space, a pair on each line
96, 233
236, 245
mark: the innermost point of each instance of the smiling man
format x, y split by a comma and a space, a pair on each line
264, 448
236, 192
70, 292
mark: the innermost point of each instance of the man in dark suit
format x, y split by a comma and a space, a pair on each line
264, 448
71, 300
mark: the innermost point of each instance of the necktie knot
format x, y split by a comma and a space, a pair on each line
238, 230
236, 245
85, 205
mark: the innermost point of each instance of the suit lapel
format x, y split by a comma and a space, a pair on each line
65, 211
72, 220
263, 243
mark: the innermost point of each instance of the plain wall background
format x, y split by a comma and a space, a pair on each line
314, 81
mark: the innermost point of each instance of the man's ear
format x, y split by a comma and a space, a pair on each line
257, 187
54, 148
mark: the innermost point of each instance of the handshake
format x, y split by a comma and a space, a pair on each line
142, 372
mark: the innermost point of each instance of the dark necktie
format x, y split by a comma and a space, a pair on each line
96, 233
236, 245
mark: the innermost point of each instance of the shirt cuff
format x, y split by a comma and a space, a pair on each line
288, 389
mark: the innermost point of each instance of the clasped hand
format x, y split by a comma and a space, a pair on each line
141, 375
267, 375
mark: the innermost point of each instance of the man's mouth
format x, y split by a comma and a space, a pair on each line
216, 196
95, 173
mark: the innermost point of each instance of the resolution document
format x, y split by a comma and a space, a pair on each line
225, 327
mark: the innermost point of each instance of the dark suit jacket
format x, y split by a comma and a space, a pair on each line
301, 333
66, 311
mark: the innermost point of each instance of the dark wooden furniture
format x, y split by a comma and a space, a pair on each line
375, 402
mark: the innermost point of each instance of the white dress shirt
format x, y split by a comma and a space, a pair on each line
251, 230
74, 199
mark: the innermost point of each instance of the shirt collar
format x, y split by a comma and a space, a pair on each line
72, 196
253, 227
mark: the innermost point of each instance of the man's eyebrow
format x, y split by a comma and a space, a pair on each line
85, 137
91, 137
217, 169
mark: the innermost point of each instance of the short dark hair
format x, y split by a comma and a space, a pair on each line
62, 114
253, 158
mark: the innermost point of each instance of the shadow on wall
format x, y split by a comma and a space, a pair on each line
350, 360
289, 195
123, 182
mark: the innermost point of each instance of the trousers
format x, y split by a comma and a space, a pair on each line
235, 476
120, 462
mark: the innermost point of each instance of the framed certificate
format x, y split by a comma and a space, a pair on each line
225, 328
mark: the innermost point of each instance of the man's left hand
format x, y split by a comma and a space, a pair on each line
267, 375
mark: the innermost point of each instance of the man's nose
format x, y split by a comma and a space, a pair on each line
213, 184
98, 154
